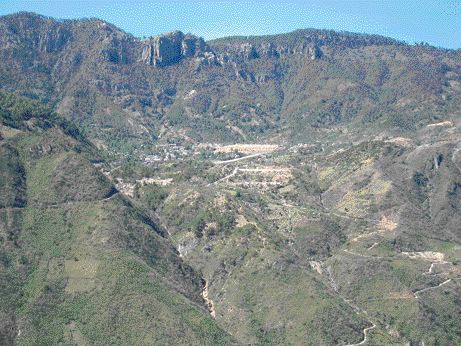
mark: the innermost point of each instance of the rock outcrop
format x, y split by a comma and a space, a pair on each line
248, 51
168, 49
118, 50
53, 39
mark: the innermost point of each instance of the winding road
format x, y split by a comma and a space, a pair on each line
365, 335
234, 172
430, 288
55, 205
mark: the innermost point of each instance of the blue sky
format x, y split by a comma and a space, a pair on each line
437, 22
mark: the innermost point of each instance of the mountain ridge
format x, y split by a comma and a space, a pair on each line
384, 38
315, 37
268, 69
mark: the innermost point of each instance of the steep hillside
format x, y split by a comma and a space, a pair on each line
79, 264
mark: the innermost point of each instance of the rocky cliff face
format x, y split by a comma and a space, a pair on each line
33, 31
168, 49
248, 51
117, 47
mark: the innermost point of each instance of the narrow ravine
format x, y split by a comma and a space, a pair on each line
208, 301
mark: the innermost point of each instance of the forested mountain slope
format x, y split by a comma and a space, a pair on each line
79, 263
